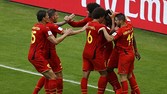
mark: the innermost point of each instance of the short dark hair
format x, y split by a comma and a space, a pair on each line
40, 15
98, 12
121, 16
91, 6
108, 18
51, 12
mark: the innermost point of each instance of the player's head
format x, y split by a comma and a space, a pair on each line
120, 19
98, 13
108, 21
91, 6
53, 15
42, 15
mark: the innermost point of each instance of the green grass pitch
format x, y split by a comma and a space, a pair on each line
16, 21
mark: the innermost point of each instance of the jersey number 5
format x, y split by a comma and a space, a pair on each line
33, 37
89, 38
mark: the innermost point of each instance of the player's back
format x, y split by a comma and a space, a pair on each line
95, 39
126, 39
39, 40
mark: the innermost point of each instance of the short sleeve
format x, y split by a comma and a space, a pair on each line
47, 32
117, 34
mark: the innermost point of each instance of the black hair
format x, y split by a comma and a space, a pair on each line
121, 16
98, 12
91, 6
40, 15
107, 18
51, 12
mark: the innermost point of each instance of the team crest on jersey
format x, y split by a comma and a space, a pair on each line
49, 33
60, 28
114, 34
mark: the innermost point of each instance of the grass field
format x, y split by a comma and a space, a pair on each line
16, 21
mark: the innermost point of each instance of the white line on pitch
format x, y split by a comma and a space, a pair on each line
38, 74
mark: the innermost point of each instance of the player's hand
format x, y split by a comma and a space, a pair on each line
68, 31
69, 18
111, 11
66, 18
113, 14
137, 55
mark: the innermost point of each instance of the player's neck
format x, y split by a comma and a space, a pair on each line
52, 21
42, 22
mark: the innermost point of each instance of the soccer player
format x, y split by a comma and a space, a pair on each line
38, 57
137, 55
53, 58
123, 53
111, 75
93, 58
108, 46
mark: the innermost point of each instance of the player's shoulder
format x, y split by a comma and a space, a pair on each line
39, 26
50, 24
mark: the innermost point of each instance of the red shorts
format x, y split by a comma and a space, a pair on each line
54, 62
40, 64
123, 59
97, 64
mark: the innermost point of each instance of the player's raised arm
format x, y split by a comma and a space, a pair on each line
107, 36
56, 41
80, 30
66, 19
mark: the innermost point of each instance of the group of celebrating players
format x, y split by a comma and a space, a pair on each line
110, 44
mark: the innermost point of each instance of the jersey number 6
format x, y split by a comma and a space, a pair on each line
89, 38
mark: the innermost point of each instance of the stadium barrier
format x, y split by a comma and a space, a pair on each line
145, 14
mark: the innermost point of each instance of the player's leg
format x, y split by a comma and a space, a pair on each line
84, 82
86, 68
112, 77
41, 66
39, 85
56, 66
99, 65
102, 82
125, 67
59, 82
132, 80
124, 83
113, 80
133, 84
51, 82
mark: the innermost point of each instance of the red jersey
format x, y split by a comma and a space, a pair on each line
54, 29
124, 37
81, 22
39, 41
95, 40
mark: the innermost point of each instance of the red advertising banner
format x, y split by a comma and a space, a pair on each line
145, 14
